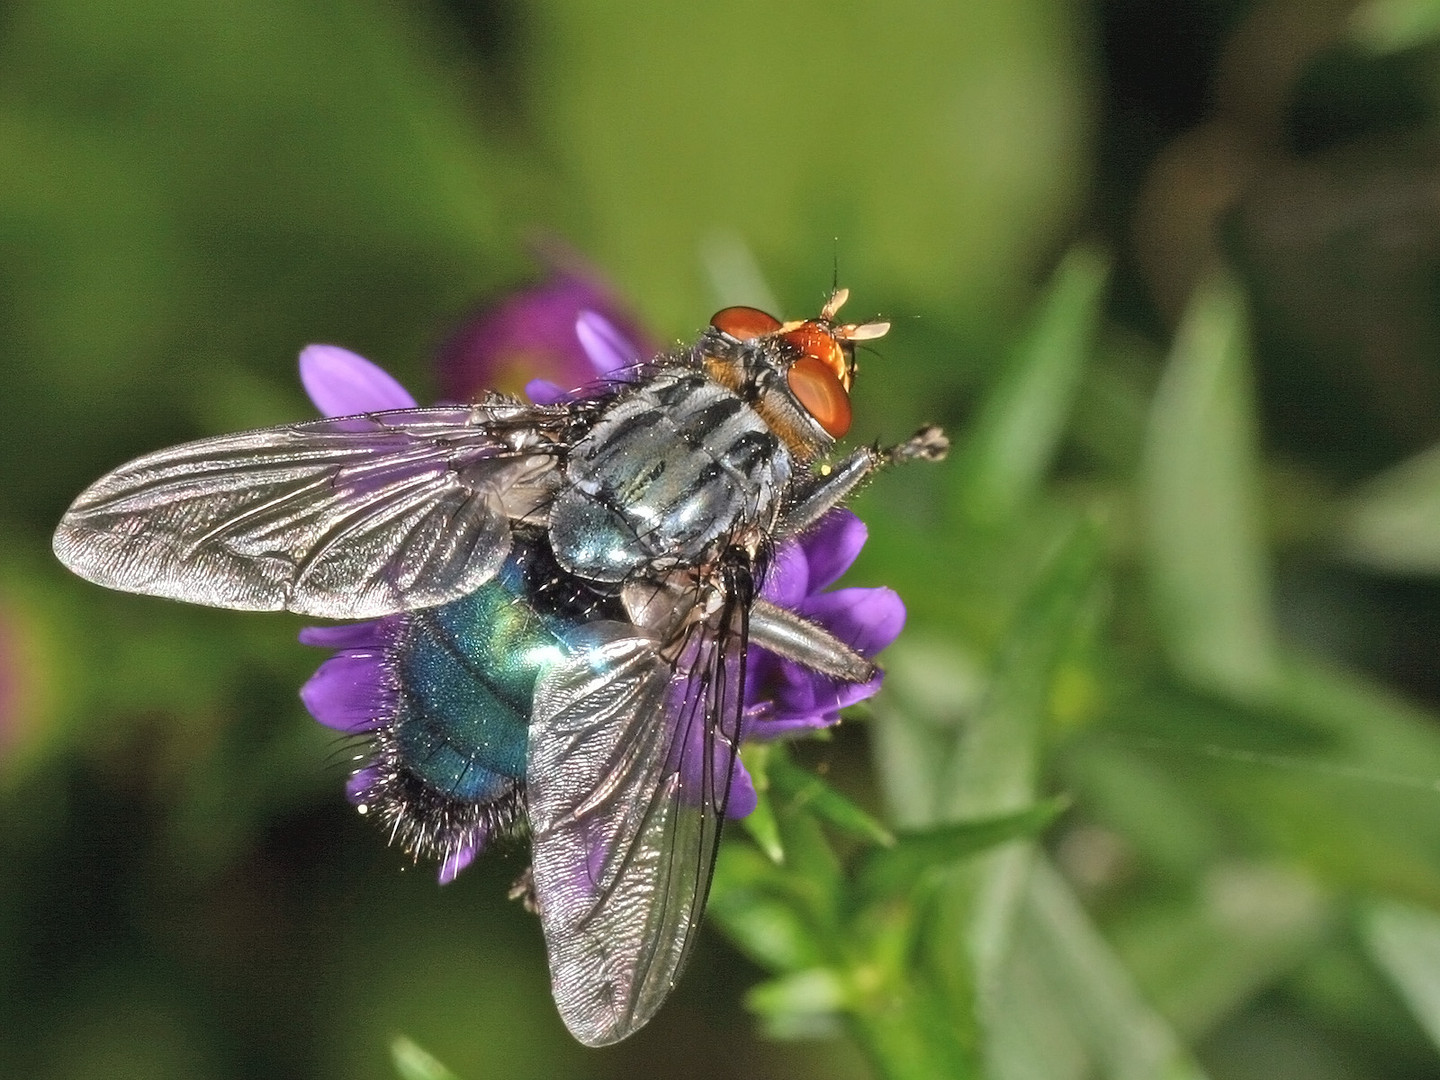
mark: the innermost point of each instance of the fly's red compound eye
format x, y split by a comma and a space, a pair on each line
815, 386
744, 323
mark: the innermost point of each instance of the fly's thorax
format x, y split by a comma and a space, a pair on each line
671, 471
750, 372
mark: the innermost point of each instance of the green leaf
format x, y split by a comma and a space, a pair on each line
995, 756
1393, 522
1203, 954
761, 823
413, 1063
806, 1004
893, 871
761, 909
1013, 439
1392, 25
1201, 494
1405, 942
931, 686
934, 87
1065, 1009
804, 791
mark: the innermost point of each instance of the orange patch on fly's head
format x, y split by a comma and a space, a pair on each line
817, 341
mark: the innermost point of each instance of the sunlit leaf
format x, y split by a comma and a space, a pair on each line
414, 1063
893, 871
1405, 943
1392, 25
1393, 522
804, 791
1010, 444
1208, 566
803, 1005
1066, 1009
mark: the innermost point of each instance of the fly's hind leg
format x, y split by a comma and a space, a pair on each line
815, 497
803, 642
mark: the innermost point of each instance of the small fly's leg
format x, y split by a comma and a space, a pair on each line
803, 642
524, 891
823, 493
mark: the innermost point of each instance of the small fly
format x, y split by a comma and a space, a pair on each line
569, 591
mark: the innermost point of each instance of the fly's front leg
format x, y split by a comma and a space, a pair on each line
817, 495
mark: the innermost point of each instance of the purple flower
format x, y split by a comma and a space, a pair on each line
355, 690
530, 338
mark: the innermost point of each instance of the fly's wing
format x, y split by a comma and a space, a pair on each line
347, 518
627, 780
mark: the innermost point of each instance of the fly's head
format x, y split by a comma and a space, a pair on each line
797, 375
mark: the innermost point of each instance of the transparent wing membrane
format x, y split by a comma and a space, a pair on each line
628, 777
348, 518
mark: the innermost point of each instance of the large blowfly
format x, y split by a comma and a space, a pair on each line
567, 594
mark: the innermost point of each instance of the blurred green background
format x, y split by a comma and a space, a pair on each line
1170, 273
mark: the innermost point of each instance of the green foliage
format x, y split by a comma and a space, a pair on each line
413, 1063
1153, 788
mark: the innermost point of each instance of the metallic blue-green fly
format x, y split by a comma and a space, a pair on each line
565, 597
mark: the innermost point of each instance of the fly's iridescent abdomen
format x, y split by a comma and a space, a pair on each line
666, 472
449, 763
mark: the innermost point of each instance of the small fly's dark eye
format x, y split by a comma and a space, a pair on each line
816, 387
744, 323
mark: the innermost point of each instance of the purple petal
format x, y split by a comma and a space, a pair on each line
362, 635
361, 783
544, 392
865, 619
787, 580
342, 383
832, 546
456, 861
606, 347
743, 798
350, 692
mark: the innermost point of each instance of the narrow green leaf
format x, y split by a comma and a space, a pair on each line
1065, 1006
995, 756
1405, 942
1393, 522
1014, 438
931, 686
805, 791
414, 1063
994, 765
757, 905
1201, 496
893, 871
760, 823
805, 1004
1206, 953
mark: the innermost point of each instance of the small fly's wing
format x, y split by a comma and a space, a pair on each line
348, 518
628, 776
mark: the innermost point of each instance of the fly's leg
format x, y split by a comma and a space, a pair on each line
524, 891
803, 642
820, 494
